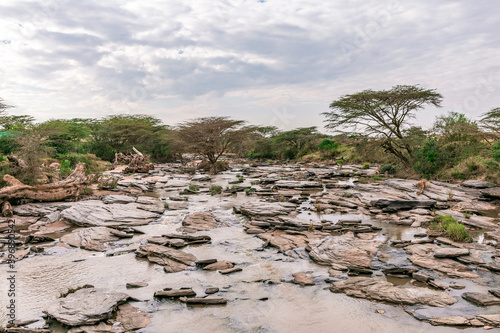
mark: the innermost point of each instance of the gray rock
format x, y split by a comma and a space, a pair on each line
482, 299
86, 306
381, 290
293, 184
267, 208
343, 250
96, 213
450, 252
173, 260
477, 184
201, 178
118, 198
450, 321
136, 284
93, 239
490, 319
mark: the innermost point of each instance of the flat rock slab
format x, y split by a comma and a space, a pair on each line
204, 301
381, 290
267, 209
131, 318
423, 255
451, 321
95, 213
482, 299
102, 327
131, 285
450, 252
293, 184
93, 239
202, 221
284, 241
118, 198
230, 270
343, 250
173, 260
477, 184
218, 265
490, 319
188, 292
86, 306
303, 279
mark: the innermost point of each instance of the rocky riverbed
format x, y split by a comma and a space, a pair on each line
283, 248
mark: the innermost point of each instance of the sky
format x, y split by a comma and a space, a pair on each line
269, 62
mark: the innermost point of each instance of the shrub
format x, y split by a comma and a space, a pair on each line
195, 188
219, 166
366, 165
451, 228
215, 189
249, 190
387, 168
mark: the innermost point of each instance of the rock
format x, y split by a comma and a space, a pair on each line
131, 318
86, 306
230, 270
491, 267
175, 293
343, 250
490, 192
204, 301
260, 209
143, 200
173, 260
390, 205
450, 252
473, 259
117, 198
53, 228
102, 327
212, 290
96, 213
436, 285
422, 277
201, 178
495, 292
292, 184
203, 262
178, 205
381, 290
92, 239
398, 271
199, 222
423, 255
450, 321
479, 184
284, 241
456, 286
26, 330
218, 265
481, 299
490, 319
303, 278
136, 284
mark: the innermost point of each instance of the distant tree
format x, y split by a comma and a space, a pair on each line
384, 114
490, 120
212, 136
16, 123
456, 127
298, 142
3, 106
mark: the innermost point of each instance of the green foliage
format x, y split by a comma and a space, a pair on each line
430, 158
195, 188
389, 168
108, 182
65, 169
329, 147
215, 189
366, 165
249, 190
451, 228
495, 151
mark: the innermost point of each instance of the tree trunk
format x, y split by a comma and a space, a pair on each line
67, 188
137, 163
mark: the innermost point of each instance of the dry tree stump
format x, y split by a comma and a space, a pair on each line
136, 163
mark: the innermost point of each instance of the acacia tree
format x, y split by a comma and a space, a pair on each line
383, 114
212, 136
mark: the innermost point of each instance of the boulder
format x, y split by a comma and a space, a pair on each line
450, 252
95, 213
201, 221
86, 306
343, 250
381, 290
173, 260
131, 318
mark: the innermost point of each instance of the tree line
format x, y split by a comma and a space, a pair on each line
370, 127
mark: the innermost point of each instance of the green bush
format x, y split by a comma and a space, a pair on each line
194, 188
215, 189
451, 228
387, 168
366, 165
249, 190
430, 158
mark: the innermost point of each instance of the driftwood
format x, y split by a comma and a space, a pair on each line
137, 162
67, 188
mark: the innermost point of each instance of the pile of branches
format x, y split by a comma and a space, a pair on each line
136, 162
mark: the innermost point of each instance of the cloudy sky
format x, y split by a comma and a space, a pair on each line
278, 62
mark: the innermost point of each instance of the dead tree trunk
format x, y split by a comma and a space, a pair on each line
67, 188
137, 163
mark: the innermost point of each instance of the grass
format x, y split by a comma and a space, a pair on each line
249, 190
215, 189
195, 188
453, 229
366, 165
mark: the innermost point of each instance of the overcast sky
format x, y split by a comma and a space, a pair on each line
278, 62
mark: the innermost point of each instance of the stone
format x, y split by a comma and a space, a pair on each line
260, 209
490, 319
118, 198
230, 270
478, 184
218, 265
26, 330
394, 205
92, 239
303, 279
102, 327
173, 260
421, 276
481, 299
195, 222
494, 292
204, 301
211, 290
450, 252
450, 321
284, 241
177, 205
201, 178
175, 293
136, 285
381, 290
343, 250
131, 318
457, 286
95, 213
86, 306
423, 255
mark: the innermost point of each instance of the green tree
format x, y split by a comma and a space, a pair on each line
384, 114
298, 142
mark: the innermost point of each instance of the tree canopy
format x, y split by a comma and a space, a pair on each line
383, 113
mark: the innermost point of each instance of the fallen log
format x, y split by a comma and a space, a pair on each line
68, 188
